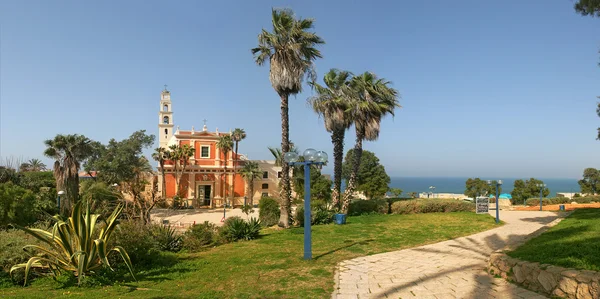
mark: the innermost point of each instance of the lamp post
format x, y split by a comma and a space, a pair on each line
498, 184
541, 186
311, 157
432, 191
58, 200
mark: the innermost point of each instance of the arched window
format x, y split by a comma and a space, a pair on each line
166, 120
166, 131
265, 186
166, 108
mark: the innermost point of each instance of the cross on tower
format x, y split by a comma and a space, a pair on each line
165, 87
204, 120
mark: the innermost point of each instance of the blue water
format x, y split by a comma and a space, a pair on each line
457, 185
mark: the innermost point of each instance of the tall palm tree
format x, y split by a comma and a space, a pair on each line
180, 155
36, 165
68, 151
237, 136
225, 144
373, 98
291, 51
161, 155
249, 172
332, 103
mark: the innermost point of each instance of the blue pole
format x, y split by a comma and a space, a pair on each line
541, 190
307, 218
58, 203
497, 205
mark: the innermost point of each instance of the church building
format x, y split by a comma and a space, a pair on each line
208, 180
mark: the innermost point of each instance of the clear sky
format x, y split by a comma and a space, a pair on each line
489, 88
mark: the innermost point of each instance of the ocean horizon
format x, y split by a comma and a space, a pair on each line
457, 184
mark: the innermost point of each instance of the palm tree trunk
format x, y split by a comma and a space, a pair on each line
285, 192
360, 135
225, 180
164, 183
234, 173
337, 138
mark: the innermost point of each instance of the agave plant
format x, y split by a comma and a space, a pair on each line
75, 244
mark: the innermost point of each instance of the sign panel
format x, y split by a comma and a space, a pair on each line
482, 205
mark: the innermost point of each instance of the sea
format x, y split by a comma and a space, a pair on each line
457, 185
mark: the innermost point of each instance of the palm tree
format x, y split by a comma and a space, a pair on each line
249, 172
332, 103
161, 155
291, 50
36, 165
225, 144
237, 136
68, 151
373, 98
180, 155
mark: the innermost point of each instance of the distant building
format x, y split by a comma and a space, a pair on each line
208, 180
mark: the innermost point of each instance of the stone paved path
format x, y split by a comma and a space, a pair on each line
449, 269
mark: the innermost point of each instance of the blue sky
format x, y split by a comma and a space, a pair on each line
494, 89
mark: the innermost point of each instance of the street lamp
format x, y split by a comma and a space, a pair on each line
58, 200
498, 184
432, 190
541, 186
311, 157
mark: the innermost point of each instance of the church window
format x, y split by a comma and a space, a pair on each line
166, 131
166, 108
166, 120
205, 151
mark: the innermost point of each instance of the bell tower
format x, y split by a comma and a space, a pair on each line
165, 119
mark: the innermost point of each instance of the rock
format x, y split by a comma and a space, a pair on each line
547, 280
585, 277
568, 285
503, 265
519, 274
559, 293
583, 291
595, 289
570, 273
573, 202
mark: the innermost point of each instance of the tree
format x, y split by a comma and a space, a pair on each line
249, 172
396, 192
180, 156
16, 205
32, 165
478, 187
588, 7
225, 144
371, 178
68, 151
161, 155
373, 98
332, 102
530, 188
291, 51
590, 184
320, 186
236, 136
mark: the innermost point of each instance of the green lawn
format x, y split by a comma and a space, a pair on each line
572, 243
272, 266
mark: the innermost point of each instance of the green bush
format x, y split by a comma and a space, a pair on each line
200, 236
536, 202
431, 206
373, 206
17, 205
320, 214
12, 242
236, 228
167, 238
268, 211
587, 199
138, 241
559, 200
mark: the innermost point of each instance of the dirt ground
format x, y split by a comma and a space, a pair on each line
568, 207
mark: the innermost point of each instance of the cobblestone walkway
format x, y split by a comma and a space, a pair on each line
449, 269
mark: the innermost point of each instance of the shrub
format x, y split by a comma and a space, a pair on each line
12, 242
167, 238
536, 202
138, 241
320, 214
235, 228
588, 199
431, 206
16, 205
362, 207
559, 200
268, 211
200, 236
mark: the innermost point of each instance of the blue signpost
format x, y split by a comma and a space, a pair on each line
541, 193
58, 200
311, 157
498, 184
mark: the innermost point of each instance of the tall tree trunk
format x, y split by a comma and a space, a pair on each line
285, 192
360, 135
225, 179
234, 173
164, 183
337, 139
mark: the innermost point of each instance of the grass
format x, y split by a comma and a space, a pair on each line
272, 266
572, 243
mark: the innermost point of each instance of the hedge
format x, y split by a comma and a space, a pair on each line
363, 207
561, 200
416, 206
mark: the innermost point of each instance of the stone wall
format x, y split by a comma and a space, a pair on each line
547, 279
